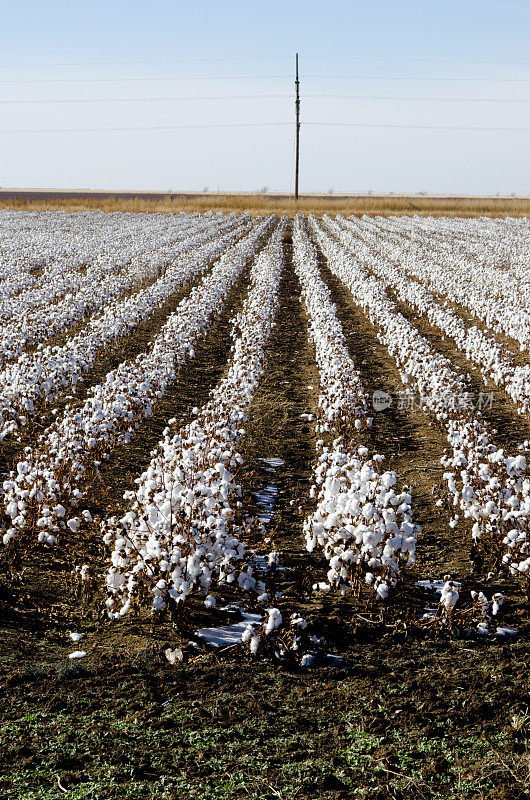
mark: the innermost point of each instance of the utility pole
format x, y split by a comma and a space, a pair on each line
297, 108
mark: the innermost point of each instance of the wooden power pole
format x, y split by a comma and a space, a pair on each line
297, 107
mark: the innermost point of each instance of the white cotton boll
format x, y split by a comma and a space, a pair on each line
369, 578
520, 463
482, 628
498, 600
42, 537
450, 594
439, 503
254, 644
307, 660
263, 598
174, 656
74, 524
210, 601
77, 654
59, 511
87, 516
158, 603
247, 634
298, 622
382, 591
107, 538
76, 637
368, 511
274, 621
388, 479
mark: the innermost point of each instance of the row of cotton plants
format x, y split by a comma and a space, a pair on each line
495, 361
61, 277
99, 288
180, 535
491, 294
37, 378
479, 251
363, 525
53, 474
490, 244
36, 241
42, 258
489, 487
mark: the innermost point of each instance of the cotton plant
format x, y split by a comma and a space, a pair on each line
51, 478
363, 526
489, 486
457, 260
103, 281
454, 614
287, 640
37, 378
389, 263
181, 535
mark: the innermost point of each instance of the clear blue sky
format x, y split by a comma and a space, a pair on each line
61, 51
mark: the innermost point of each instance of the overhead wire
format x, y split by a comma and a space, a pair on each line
247, 97
369, 58
420, 126
41, 101
123, 128
147, 99
259, 77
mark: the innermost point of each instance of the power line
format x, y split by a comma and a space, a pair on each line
416, 78
358, 59
149, 99
419, 127
121, 80
439, 99
40, 101
151, 61
266, 125
149, 127
258, 77
414, 60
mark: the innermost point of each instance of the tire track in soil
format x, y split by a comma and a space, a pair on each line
275, 429
412, 443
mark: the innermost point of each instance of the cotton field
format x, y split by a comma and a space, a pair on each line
215, 418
